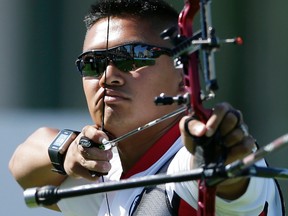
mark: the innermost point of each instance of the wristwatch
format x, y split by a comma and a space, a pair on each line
58, 147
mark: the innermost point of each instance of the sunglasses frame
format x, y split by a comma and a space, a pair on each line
114, 55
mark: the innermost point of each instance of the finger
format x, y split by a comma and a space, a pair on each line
236, 135
193, 127
80, 171
244, 129
95, 153
94, 134
242, 149
86, 168
231, 120
216, 118
189, 128
72, 163
87, 143
97, 166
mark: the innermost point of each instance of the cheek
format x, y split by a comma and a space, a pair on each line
95, 105
167, 80
150, 83
90, 86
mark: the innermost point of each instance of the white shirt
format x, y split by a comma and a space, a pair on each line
121, 202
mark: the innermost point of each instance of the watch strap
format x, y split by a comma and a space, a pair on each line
58, 148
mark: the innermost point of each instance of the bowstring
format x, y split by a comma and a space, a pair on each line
103, 107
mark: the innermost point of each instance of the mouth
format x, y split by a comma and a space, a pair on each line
112, 96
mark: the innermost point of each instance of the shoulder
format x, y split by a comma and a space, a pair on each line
181, 161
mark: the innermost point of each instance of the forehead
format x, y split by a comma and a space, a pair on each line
119, 31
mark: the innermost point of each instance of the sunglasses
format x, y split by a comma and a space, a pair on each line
126, 58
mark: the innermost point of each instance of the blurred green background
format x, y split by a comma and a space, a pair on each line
40, 40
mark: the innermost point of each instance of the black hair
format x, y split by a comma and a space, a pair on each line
147, 10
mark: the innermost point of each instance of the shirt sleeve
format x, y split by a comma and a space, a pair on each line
86, 205
260, 192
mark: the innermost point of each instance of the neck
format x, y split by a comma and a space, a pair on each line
134, 147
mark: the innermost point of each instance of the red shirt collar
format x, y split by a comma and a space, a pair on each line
155, 152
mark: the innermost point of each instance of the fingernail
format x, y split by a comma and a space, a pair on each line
103, 140
198, 129
106, 145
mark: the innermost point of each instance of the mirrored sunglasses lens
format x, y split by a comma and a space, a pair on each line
144, 62
92, 66
127, 65
124, 65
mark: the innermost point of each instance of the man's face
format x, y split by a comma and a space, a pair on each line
129, 97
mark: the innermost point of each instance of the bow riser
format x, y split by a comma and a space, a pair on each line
206, 195
190, 63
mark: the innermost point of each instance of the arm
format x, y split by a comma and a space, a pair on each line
30, 164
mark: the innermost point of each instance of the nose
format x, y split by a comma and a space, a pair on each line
111, 76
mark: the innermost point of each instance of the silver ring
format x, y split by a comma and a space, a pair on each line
244, 129
85, 142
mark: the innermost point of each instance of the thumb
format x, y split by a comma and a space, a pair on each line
189, 128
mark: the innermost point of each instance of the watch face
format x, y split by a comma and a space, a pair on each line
62, 141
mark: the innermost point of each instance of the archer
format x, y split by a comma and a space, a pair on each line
124, 65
